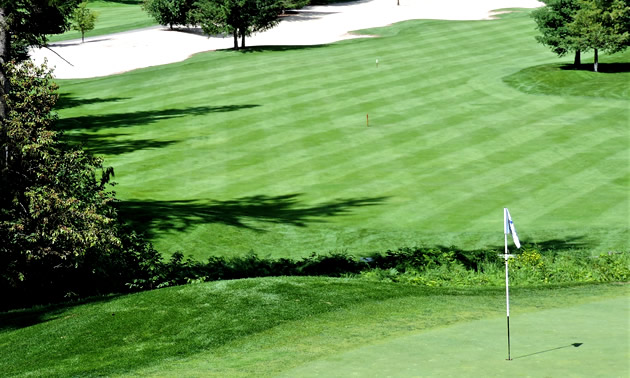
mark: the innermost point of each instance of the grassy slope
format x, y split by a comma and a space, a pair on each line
251, 327
113, 17
268, 150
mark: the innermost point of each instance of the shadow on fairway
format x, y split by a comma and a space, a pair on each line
150, 216
66, 44
111, 144
254, 49
602, 68
575, 345
95, 122
67, 101
572, 242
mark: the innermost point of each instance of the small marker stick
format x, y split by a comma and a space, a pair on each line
367, 120
376, 63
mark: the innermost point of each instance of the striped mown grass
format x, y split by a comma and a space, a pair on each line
267, 150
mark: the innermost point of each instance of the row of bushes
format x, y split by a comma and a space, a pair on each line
420, 266
141, 267
531, 267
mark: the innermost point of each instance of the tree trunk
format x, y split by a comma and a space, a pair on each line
243, 40
595, 61
5, 49
82, 37
235, 40
578, 59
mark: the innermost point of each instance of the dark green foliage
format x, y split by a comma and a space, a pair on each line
29, 22
59, 233
240, 18
553, 21
170, 12
293, 4
601, 25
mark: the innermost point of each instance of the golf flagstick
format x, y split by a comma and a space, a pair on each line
508, 228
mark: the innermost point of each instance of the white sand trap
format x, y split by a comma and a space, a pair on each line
116, 53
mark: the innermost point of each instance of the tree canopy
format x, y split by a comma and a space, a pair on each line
584, 25
553, 21
170, 12
601, 25
83, 19
240, 18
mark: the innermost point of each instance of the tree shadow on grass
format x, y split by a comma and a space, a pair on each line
94, 122
266, 48
22, 318
114, 144
602, 67
67, 101
151, 216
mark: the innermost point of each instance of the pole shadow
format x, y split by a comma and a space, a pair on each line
575, 345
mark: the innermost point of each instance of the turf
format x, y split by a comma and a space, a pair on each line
267, 150
113, 16
270, 326
586, 340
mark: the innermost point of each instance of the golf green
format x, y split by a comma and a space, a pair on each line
588, 340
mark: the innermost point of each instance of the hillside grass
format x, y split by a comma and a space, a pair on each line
267, 149
114, 16
267, 326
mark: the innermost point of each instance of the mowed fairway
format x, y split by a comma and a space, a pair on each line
268, 150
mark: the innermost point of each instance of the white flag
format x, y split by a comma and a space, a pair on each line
509, 227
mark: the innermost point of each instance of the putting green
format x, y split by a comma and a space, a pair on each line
588, 340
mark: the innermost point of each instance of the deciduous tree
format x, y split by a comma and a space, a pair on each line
83, 19
170, 12
601, 25
553, 21
240, 18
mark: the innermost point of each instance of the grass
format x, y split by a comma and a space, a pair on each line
268, 149
114, 16
567, 79
571, 340
272, 325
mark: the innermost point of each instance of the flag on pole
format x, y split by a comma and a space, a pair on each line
509, 227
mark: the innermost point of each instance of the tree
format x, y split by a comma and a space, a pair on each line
83, 19
240, 18
53, 208
293, 4
169, 12
553, 21
25, 23
601, 25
